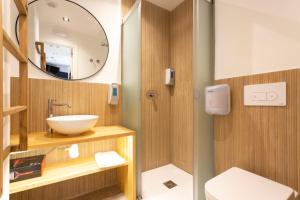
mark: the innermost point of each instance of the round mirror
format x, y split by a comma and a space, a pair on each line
65, 40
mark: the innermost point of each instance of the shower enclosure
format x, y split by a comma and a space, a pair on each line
131, 78
174, 135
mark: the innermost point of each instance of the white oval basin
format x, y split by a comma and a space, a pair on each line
72, 124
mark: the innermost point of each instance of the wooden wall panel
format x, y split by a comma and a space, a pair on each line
263, 140
126, 5
155, 126
102, 194
182, 93
85, 98
167, 122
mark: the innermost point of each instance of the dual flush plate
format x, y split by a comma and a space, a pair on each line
272, 94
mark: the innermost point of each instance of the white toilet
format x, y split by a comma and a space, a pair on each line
238, 184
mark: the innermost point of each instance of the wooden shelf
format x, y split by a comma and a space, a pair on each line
22, 8
13, 48
42, 140
60, 172
6, 152
13, 110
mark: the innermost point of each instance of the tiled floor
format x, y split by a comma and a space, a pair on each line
154, 189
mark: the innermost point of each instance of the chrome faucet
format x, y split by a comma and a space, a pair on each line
51, 104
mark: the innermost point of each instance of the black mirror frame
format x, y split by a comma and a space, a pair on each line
16, 33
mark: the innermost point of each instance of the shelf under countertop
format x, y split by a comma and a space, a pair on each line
62, 171
41, 140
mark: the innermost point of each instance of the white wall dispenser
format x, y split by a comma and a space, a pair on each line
271, 94
113, 94
217, 99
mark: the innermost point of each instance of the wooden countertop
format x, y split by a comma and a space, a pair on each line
41, 140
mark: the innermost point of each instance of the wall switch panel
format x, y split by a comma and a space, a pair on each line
272, 94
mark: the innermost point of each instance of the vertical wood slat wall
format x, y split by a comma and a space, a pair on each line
84, 98
155, 115
166, 39
167, 122
263, 140
20, 53
181, 48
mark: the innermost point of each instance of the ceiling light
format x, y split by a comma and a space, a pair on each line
66, 19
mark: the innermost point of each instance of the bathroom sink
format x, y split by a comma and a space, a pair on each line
72, 124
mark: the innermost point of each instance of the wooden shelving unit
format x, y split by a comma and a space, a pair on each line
42, 140
22, 7
125, 146
20, 53
13, 48
13, 110
60, 172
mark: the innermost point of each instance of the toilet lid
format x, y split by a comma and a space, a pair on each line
238, 184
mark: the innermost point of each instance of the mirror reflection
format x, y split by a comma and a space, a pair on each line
65, 40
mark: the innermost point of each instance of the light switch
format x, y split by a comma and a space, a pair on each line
273, 94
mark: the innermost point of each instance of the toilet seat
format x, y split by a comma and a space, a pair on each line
238, 184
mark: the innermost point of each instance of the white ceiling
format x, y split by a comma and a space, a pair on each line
167, 4
81, 22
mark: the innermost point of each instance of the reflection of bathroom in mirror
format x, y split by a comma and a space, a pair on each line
59, 60
65, 39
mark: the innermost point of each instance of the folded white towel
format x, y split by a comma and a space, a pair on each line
108, 159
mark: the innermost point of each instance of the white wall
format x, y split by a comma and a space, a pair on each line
108, 13
255, 36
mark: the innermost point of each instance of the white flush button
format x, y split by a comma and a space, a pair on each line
259, 96
271, 96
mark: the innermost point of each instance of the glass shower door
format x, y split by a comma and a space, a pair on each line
131, 77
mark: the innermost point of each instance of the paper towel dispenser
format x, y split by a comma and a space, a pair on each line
217, 99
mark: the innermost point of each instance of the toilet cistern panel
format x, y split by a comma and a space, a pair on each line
272, 94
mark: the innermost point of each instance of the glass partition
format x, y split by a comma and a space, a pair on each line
131, 77
203, 76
